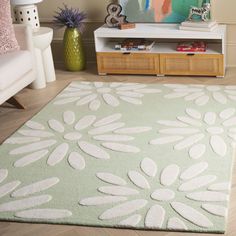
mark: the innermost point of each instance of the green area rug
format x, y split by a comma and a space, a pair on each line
143, 156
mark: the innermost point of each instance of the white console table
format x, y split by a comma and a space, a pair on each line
162, 59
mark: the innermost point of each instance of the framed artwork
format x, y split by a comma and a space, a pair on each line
167, 11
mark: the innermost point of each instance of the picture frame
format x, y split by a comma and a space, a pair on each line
160, 11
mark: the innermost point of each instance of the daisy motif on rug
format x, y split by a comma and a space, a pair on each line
72, 138
189, 132
94, 94
173, 198
202, 94
124, 155
23, 204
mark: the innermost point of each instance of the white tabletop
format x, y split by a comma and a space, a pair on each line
146, 30
42, 31
25, 2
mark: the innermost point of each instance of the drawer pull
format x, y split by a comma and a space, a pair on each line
126, 53
190, 54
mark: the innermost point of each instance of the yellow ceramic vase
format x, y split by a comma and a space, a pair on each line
74, 56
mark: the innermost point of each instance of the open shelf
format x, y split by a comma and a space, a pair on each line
212, 48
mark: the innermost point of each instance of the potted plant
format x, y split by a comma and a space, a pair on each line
72, 19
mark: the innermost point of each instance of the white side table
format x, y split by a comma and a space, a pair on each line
44, 62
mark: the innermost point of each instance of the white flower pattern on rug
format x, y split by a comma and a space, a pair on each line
187, 132
202, 94
161, 191
117, 189
94, 93
109, 132
23, 204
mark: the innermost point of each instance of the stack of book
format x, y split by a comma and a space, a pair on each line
194, 46
135, 45
207, 26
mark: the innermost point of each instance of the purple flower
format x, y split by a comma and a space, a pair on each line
69, 17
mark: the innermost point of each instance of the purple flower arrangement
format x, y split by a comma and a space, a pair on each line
69, 17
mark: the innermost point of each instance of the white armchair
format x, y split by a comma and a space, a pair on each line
17, 69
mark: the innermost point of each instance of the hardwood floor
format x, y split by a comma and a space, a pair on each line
11, 119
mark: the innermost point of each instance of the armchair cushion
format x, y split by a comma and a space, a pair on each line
13, 66
8, 40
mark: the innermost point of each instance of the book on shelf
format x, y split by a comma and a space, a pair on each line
198, 28
135, 45
199, 24
194, 46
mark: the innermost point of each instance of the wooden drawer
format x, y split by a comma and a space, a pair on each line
192, 64
128, 63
